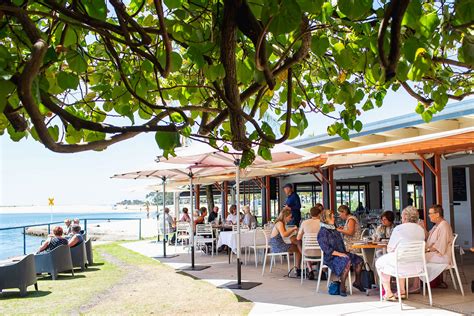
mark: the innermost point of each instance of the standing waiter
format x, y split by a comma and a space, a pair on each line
294, 203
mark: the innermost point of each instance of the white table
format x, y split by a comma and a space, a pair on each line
230, 239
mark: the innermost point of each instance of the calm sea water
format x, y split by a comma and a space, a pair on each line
11, 241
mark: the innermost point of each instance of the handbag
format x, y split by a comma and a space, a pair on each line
367, 277
334, 288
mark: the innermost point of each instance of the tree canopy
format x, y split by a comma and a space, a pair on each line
82, 75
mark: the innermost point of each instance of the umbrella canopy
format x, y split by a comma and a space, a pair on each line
157, 171
207, 156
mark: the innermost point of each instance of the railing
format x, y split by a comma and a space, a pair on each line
84, 220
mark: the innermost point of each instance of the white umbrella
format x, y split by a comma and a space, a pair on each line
163, 171
206, 156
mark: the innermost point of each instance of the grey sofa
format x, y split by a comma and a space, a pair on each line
20, 274
53, 262
79, 256
90, 258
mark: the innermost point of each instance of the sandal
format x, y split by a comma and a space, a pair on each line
403, 296
390, 298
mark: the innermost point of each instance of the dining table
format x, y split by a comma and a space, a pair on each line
368, 250
229, 238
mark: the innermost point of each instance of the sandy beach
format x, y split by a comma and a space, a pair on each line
72, 209
110, 231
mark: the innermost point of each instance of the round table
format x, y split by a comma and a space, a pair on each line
365, 247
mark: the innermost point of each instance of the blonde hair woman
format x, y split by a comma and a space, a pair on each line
279, 231
249, 219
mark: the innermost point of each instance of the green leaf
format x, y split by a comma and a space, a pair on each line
311, 6
167, 141
173, 4
248, 156
95, 8
54, 132
428, 23
413, 14
264, 152
6, 87
287, 19
319, 45
420, 108
421, 65
76, 62
358, 126
67, 80
354, 9
427, 116
368, 105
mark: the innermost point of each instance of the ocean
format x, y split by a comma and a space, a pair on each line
11, 241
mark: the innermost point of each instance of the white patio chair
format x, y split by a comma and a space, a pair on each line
455, 267
258, 243
272, 255
204, 236
309, 242
410, 253
323, 266
182, 234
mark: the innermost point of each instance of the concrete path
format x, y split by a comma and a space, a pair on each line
281, 295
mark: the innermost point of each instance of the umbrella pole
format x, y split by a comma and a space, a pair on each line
239, 285
164, 219
192, 219
192, 267
237, 198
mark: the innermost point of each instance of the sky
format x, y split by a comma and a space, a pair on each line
30, 173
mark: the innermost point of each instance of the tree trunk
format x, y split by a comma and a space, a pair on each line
210, 197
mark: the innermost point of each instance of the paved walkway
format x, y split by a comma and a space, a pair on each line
280, 295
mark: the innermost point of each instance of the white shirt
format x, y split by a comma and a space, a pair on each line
231, 218
408, 232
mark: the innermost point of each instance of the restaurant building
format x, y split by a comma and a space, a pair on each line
443, 172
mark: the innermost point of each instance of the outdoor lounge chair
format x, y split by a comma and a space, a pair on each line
90, 258
20, 274
55, 261
79, 256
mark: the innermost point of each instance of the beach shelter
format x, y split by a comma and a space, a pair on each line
206, 156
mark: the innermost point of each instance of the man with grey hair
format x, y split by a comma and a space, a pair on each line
409, 230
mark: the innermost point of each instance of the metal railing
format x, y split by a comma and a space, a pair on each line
84, 220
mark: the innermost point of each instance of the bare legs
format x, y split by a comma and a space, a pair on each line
386, 285
295, 248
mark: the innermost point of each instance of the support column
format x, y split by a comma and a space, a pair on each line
437, 165
325, 189
223, 200
429, 191
387, 185
263, 192
403, 189
332, 189
198, 196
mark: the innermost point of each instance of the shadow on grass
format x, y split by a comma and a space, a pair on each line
61, 277
96, 264
16, 294
89, 269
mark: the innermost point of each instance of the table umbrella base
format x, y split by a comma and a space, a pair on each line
241, 286
191, 268
165, 257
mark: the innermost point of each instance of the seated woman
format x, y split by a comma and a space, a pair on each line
77, 237
185, 217
279, 231
385, 229
201, 218
335, 255
351, 230
409, 230
249, 219
439, 243
53, 241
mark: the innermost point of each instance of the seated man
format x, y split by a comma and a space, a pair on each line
53, 241
67, 230
77, 237
213, 215
310, 226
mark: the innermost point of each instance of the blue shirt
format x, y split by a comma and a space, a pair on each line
293, 202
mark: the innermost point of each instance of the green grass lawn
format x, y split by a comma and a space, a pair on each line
124, 282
